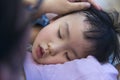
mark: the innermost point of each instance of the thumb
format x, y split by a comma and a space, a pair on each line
74, 6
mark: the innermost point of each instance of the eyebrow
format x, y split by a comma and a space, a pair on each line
68, 33
67, 29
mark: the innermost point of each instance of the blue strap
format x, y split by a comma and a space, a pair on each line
42, 21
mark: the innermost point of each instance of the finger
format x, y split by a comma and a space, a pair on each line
79, 6
95, 4
92, 2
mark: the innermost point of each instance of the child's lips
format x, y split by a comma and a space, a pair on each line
39, 52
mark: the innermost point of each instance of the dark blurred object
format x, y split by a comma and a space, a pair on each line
14, 29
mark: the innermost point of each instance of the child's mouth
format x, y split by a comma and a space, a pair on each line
39, 52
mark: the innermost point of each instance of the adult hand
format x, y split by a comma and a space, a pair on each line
62, 6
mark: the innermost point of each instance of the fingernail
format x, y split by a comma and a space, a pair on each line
87, 4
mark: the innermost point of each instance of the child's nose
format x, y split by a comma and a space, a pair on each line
55, 48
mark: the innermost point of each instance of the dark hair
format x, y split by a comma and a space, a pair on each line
102, 34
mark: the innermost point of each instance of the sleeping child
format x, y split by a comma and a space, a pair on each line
76, 46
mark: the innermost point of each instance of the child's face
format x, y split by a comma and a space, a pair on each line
62, 40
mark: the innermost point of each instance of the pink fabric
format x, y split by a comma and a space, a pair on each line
80, 69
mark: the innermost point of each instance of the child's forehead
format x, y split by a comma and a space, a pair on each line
77, 19
79, 14
74, 17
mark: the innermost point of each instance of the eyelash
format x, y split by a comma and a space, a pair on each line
59, 35
66, 54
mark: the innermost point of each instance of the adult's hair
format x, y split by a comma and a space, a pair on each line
103, 35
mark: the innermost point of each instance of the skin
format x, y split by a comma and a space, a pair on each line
62, 40
118, 68
35, 30
61, 6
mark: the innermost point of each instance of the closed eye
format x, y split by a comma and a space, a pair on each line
59, 34
68, 58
